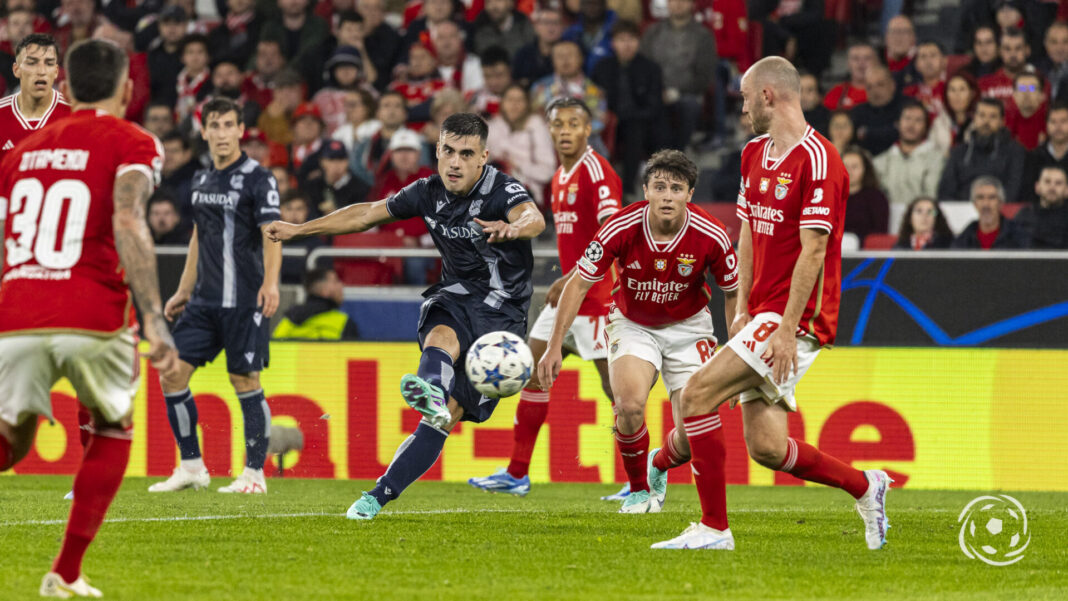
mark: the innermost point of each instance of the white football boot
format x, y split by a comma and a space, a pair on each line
250, 482
640, 502
54, 586
181, 479
699, 536
872, 508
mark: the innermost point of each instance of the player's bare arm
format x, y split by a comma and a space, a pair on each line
358, 217
741, 316
783, 344
176, 303
137, 254
272, 268
574, 293
524, 222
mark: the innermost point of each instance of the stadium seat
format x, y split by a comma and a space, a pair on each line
880, 241
368, 272
850, 242
1010, 209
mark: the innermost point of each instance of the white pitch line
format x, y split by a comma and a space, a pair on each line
201, 518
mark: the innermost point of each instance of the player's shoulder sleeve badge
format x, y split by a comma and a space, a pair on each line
594, 251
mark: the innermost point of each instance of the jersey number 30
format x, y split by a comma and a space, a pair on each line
35, 225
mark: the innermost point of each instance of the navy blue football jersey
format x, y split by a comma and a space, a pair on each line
500, 272
229, 207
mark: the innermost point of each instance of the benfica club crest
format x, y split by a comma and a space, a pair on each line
685, 264
781, 190
764, 182
660, 264
572, 193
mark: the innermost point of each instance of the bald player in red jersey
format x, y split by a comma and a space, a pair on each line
76, 244
585, 192
792, 206
660, 324
36, 104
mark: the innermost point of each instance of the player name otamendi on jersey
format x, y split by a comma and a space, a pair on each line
58, 158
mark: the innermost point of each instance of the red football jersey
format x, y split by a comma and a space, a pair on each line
61, 269
806, 187
661, 283
14, 127
581, 199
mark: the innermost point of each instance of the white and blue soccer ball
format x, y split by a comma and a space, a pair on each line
499, 364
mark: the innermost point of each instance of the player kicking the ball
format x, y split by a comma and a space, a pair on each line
481, 221
72, 200
792, 205
585, 192
663, 246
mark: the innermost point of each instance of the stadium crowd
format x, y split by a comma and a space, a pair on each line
343, 100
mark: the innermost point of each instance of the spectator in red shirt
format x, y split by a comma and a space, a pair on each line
1025, 112
193, 83
268, 63
405, 149
307, 124
846, 95
419, 84
497, 73
992, 230
255, 145
1013, 51
930, 64
76, 21
900, 40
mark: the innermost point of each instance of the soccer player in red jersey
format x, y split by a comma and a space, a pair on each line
36, 104
792, 206
585, 192
72, 203
660, 324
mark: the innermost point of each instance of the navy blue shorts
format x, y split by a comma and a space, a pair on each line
201, 332
470, 318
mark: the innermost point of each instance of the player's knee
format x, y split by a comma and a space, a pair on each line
245, 382
768, 451
629, 409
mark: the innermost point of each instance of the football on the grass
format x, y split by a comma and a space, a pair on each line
499, 364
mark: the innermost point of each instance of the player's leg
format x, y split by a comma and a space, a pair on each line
429, 389
530, 415
606, 386
27, 373
104, 374
632, 378
257, 417
413, 458
16, 441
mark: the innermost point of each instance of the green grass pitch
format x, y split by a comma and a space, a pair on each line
449, 541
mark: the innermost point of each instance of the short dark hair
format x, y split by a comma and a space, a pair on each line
935, 43
349, 16
94, 69
911, 103
163, 194
1055, 167
1014, 32
495, 55
194, 38
803, 73
567, 102
315, 276
626, 26
295, 194
994, 102
465, 124
219, 105
1059, 105
1029, 73
176, 136
37, 39
671, 163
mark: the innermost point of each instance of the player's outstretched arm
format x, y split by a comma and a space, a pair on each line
176, 303
137, 253
268, 296
358, 217
783, 344
524, 222
740, 317
574, 293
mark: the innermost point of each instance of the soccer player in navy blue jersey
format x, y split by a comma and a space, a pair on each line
482, 222
227, 294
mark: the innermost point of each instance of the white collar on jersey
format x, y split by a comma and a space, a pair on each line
566, 175
775, 164
43, 119
663, 247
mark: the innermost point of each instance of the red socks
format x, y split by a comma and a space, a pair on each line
669, 455
529, 416
709, 450
809, 463
5, 454
95, 485
634, 449
85, 427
